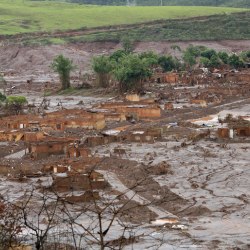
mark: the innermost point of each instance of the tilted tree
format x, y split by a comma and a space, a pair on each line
63, 66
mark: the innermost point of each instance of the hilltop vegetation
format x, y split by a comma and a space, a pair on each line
221, 27
218, 27
23, 16
228, 3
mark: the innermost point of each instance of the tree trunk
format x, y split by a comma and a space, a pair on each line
65, 81
103, 80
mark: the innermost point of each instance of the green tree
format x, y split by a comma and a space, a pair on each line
63, 66
208, 53
150, 58
223, 56
130, 72
214, 61
103, 66
167, 63
194, 50
189, 59
15, 104
191, 54
205, 62
235, 61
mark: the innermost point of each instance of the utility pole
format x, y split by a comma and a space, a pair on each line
161, 3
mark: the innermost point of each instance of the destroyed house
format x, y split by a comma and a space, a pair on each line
76, 150
234, 131
170, 77
238, 76
18, 122
56, 120
140, 111
75, 179
47, 147
80, 165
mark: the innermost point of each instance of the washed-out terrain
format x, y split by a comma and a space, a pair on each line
177, 156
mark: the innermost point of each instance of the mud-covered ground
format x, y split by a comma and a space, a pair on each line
205, 183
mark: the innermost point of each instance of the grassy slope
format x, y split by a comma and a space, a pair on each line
21, 16
220, 27
228, 3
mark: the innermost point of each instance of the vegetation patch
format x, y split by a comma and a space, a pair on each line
219, 27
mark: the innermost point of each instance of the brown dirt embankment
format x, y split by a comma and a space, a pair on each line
35, 60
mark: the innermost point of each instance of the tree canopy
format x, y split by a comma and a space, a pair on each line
15, 104
131, 71
103, 65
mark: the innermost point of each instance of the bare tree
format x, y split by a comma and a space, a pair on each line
101, 222
10, 225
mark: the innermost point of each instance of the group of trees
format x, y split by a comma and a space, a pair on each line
210, 58
131, 69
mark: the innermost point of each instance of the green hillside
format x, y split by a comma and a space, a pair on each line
23, 16
228, 3
218, 27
